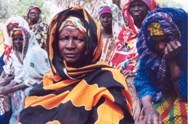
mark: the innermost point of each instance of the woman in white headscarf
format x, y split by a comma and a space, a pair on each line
29, 64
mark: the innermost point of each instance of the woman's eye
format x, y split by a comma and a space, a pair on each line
79, 39
21, 39
64, 38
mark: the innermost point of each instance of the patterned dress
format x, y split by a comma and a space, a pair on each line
153, 75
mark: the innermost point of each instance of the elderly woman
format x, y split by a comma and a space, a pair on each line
79, 89
25, 67
161, 79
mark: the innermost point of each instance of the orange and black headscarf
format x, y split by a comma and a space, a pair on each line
92, 93
92, 39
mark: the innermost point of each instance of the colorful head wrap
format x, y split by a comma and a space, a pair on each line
74, 22
35, 8
168, 19
16, 32
151, 4
155, 29
80, 18
26, 37
105, 9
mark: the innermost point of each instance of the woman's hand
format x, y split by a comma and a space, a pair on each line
148, 114
172, 49
8, 88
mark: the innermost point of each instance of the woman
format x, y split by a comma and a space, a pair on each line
37, 25
161, 80
125, 55
108, 40
79, 89
25, 67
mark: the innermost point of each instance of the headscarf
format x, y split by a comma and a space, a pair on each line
151, 4
15, 21
93, 44
26, 37
33, 62
35, 8
105, 9
73, 22
63, 85
173, 23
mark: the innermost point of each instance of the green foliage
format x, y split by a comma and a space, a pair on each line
20, 8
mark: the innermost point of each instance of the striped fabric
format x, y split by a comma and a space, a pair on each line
173, 111
93, 93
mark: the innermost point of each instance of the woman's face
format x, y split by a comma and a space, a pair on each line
138, 10
106, 20
160, 43
71, 45
18, 42
33, 15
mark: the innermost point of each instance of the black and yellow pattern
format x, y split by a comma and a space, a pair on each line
155, 29
93, 93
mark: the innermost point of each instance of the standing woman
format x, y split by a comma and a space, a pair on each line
161, 79
37, 25
108, 39
125, 55
79, 89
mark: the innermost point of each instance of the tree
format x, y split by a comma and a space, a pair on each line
9, 8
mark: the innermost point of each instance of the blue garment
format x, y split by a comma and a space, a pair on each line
1, 63
147, 80
4, 119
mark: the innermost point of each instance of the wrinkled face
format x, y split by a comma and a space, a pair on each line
71, 45
138, 10
160, 43
18, 42
106, 20
33, 15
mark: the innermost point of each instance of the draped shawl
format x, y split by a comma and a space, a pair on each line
92, 93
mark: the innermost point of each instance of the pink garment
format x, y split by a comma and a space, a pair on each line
151, 5
105, 9
125, 55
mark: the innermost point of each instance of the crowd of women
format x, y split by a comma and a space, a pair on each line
76, 70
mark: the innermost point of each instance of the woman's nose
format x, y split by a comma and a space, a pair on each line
70, 44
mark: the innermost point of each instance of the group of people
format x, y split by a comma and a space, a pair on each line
89, 75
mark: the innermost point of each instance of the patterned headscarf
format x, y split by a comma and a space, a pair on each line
151, 4
35, 8
26, 36
171, 21
15, 21
155, 29
93, 42
74, 22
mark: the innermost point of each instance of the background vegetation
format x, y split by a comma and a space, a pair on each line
9, 8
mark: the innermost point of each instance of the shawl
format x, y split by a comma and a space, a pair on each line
26, 68
91, 93
151, 5
8, 44
173, 22
125, 56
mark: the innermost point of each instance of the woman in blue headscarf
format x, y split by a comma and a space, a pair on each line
161, 79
